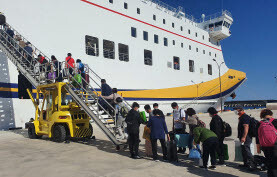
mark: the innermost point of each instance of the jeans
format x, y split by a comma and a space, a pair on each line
154, 148
246, 152
271, 161
220, 150
133, 140
209, 149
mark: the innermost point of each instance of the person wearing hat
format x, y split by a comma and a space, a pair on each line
245, 139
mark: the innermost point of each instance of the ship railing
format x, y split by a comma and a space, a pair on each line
86, 91
162, 5
217, 15
17, 38
28, 61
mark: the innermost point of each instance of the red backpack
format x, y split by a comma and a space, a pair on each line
267, 133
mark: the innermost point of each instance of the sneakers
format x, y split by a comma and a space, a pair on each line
205, 168
135, 157
221, 164
243, 166
212, 167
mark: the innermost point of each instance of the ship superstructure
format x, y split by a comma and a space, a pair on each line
150, 51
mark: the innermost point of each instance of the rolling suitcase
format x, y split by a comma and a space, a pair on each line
172, 151
182, 140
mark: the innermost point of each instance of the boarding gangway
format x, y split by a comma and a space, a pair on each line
88, 98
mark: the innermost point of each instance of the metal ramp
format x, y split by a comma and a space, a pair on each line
84, 94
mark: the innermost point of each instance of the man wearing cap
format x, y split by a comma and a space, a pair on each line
245, 139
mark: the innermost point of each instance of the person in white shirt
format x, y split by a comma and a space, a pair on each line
179, 117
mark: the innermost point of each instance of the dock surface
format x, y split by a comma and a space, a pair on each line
24, 157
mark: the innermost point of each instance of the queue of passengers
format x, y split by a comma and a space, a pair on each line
212, 139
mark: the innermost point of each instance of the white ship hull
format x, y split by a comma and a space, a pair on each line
60, 27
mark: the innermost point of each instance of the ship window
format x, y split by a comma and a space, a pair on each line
181, 28
165, 42
211, 25
156, 39
196, 34
123, 52
210, 70
163, 21
204, 51
138, 10
209, 39
203, 37
145, 35
111, 1
125, 5
217, 24
191, 66
189, 31
108, 49
173, 42
210, 53
189, 47
176, 61
173, 25
226, 24
148, 57
154, 17
215, 54
134, 32
217, 43
196, 49
182, 45
92, 46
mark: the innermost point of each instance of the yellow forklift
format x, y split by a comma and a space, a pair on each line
57, 116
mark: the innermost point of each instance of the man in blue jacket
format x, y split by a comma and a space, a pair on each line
158, 131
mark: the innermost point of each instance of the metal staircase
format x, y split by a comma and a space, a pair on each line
85, 95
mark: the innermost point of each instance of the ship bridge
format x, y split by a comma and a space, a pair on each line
218, 25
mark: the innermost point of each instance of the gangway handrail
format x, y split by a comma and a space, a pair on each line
10, 47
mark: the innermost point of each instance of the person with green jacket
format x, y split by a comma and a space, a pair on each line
210, 142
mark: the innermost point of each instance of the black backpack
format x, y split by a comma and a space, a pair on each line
227, 129
252, 132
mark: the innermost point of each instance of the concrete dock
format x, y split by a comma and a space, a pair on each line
24, 157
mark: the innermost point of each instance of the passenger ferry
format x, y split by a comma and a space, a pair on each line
150, 51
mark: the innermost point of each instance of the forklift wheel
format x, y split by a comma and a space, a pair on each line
91, 132
59, 133
32, 133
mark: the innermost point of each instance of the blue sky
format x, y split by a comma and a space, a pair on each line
252, 47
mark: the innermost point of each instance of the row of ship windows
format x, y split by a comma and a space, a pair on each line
164, 21
165, 40
92, 49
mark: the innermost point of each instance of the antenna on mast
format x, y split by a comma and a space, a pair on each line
222, 5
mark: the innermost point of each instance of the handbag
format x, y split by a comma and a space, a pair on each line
194, 154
